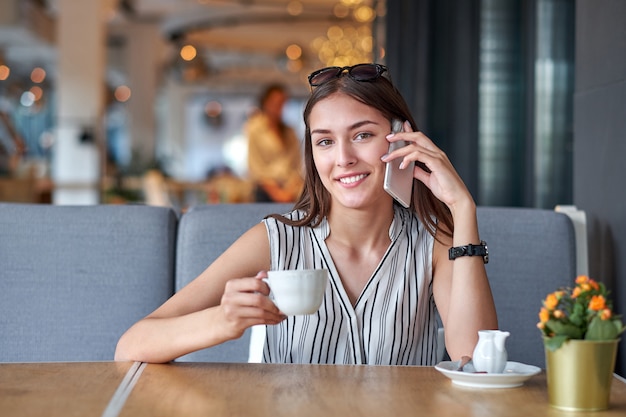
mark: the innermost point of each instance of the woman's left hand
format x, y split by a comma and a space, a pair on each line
443, 180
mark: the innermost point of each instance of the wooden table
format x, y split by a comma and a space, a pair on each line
216, 389
59, 389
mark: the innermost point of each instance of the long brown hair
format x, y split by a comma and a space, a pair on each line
382, 95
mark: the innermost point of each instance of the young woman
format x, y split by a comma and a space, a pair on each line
391, 268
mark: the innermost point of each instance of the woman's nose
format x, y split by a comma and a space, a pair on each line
345, 155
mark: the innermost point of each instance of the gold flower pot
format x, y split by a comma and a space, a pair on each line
579, 374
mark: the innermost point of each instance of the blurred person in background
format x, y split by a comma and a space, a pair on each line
274, 155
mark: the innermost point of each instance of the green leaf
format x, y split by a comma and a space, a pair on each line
601, 329
555, 342
564, 329
578, 315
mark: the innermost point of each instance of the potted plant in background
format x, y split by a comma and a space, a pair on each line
580, 333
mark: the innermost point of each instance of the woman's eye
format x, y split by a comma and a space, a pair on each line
362, 136
324, 142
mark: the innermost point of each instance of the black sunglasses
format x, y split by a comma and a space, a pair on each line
359, 72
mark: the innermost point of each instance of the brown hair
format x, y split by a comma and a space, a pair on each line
382, 95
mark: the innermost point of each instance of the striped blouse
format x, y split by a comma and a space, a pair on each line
393, 322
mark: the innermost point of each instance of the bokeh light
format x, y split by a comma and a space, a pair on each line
364, 14
295, 8
293, 52
37, 92
344, 45
122, 93
188, 52
4, 72
38, 75
27, 99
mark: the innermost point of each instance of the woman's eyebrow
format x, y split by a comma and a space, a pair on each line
351, 127
320, 131
363, 123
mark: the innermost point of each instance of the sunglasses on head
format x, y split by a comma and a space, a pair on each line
359, 72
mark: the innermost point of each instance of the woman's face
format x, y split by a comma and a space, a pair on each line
348, 140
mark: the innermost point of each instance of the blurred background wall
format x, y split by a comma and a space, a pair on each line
600, 141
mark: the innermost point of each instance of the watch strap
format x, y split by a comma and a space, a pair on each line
470, 250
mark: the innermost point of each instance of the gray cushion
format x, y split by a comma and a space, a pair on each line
73, 279
204, 233
532, 252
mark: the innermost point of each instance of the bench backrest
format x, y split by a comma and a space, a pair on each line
73, 279
203, 234
532, 252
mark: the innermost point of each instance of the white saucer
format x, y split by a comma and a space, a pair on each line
514, 375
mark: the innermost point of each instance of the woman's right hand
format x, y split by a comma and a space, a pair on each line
246, 303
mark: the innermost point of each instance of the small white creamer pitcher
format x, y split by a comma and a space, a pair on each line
490, 353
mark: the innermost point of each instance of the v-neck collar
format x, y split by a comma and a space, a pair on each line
322, 231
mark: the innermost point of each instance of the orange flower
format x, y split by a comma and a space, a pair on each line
551, 301
582, 279
575, 312
597, 303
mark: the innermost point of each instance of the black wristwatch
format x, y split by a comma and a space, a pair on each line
470, 250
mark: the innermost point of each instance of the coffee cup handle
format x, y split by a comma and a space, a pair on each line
267, 281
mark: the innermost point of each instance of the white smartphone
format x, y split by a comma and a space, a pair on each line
399, 182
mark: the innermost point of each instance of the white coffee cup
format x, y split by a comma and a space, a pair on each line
297, 292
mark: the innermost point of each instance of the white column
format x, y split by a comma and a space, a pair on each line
173, 127
77, 155
144, 47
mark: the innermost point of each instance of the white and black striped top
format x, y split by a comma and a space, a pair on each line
393, 321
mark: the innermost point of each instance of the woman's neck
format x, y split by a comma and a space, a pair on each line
364, 229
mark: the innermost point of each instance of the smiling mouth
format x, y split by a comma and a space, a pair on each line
352, 179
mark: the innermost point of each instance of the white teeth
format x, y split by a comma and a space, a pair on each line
350, 180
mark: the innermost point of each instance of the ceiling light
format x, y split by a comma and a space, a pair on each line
340, 11
294, 8
27, 99
37, 92
293, 52
351, 3
188, 52
122, 93
4, 72
37, 75
344, 45
364, 14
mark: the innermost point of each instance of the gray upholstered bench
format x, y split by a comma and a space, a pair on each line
73, 279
